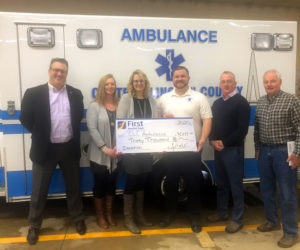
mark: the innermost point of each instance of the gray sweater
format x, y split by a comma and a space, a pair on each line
99, 130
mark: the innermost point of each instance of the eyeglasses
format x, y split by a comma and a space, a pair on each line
59, 71
138, 81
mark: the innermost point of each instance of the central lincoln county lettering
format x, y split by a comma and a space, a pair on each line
210, 91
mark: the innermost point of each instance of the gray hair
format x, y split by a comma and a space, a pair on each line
277, 73
228, 72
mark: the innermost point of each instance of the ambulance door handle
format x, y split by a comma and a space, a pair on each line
11, 108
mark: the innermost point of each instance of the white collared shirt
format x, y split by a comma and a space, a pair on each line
60, 113
190, 104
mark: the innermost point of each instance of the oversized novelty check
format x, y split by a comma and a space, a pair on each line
155, 135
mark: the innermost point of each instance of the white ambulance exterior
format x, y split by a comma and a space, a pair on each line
97, 45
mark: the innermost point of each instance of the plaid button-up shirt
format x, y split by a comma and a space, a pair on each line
277, 121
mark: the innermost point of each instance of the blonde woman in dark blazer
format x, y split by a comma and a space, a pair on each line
136, 104
101, 116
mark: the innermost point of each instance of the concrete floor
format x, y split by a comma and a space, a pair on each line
58, 231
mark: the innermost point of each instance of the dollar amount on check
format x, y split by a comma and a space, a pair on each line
155, 135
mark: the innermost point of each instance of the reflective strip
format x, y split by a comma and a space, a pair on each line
114, 234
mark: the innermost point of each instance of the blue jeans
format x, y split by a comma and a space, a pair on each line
273, 168
229, 166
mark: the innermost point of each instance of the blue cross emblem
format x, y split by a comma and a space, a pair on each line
168, 63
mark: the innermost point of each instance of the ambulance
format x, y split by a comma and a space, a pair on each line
98, 45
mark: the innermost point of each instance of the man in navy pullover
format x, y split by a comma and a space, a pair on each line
231, 114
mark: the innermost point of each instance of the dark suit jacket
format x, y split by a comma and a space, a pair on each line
35, 116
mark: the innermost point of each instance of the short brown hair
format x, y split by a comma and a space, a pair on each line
180, 68
60, 60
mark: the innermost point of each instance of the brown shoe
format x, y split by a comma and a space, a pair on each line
233, 227
267, 227
109, 200
288, 241
99, 208
217, 217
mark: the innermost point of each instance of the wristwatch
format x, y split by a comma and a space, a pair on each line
104, 149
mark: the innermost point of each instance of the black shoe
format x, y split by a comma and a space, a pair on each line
80, 227
33, 235
196, 228
166, 221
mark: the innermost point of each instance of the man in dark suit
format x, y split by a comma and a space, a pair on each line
52, 113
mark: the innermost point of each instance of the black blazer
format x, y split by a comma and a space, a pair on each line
35, 116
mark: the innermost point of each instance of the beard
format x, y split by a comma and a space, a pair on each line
180, 85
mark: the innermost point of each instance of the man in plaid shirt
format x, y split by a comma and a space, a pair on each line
277, 121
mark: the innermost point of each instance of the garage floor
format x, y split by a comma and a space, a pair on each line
58, 231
